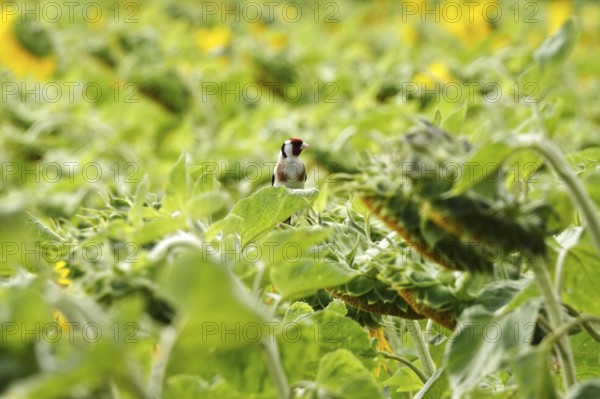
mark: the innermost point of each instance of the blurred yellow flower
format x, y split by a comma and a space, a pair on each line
17, 59
560, 11
467, 20
275, 40
211, 40
258, 29
409, 34
501, 41
590, 15
278, 41
62, 321
63, 271
435, 72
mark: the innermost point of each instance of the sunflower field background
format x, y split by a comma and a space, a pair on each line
446, 246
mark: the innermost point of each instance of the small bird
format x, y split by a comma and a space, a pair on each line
289, 170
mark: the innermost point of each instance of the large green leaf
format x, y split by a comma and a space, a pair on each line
229, 316
586, 353
532, 373
257, 214
305, 277
404, 380
484, 164
305, 337
342, 374
483, 342
580, 276
298, 264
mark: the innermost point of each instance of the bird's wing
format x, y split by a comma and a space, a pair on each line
302, 176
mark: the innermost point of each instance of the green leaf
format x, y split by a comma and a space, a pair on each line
591, 184
262, 211
532, 373
454, 122
498, 293
304, 339
242, 369
586, 390
296, 269
208, 203
305, 277
285, 245
555, 50
177, 186
484, 164
581, 273
44, 232
483, 342
157, 228
337, 306
296, 310
342, 374
197, 281
404, 380
586, 353
135, 212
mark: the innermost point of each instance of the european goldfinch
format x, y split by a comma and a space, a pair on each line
289, 170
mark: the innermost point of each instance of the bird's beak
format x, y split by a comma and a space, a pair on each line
304, 146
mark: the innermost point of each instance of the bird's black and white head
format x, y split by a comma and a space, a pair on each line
293, 147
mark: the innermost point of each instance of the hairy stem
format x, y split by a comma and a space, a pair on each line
275, 367
421, 346
159, 366
553, 309
563, 329
577, 190
560, 263
407, 363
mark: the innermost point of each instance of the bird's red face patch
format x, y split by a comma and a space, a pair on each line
296, 146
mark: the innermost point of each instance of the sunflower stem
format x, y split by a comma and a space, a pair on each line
553, 309
421, 346
576, 189
275, 367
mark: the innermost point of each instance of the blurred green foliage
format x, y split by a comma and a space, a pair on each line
142, 254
